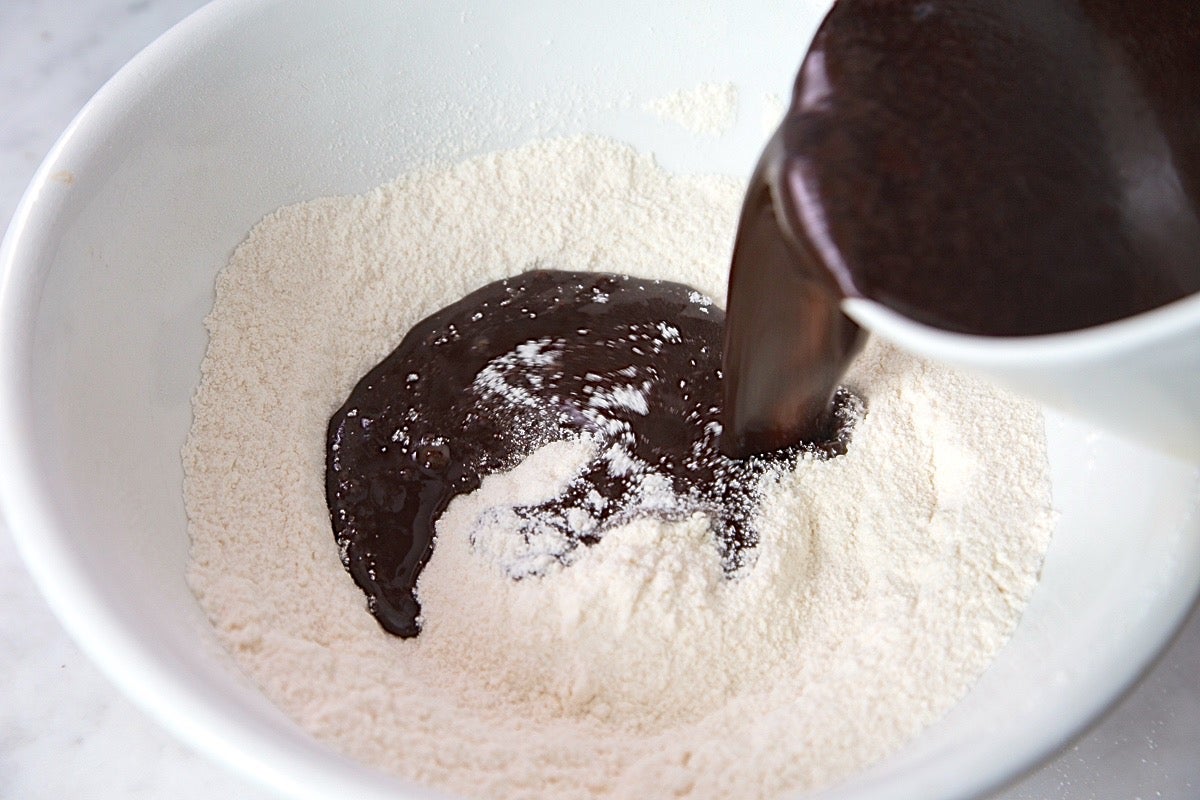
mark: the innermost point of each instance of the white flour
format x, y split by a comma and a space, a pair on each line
773, 110
884, 582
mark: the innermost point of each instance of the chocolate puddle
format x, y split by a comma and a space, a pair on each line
541, 357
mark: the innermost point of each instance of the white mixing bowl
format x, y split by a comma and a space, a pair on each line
108, 272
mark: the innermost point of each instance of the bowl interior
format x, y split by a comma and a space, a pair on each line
108, 272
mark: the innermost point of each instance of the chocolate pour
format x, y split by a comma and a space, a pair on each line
471, 390
991, 168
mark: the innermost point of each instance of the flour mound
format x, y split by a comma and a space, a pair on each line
883, 582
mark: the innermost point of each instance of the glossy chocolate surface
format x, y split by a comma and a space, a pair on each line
994, 168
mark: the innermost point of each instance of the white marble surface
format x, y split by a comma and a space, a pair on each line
66, 732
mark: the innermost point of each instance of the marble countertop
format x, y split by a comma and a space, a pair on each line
66, 732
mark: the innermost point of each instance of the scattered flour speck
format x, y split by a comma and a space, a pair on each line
708, 109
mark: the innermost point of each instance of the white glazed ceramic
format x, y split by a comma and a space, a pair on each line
1138, 377
108, 270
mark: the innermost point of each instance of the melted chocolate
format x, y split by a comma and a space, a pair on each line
473, 389
993, 168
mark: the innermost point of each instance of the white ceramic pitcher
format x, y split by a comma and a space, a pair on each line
1138, 377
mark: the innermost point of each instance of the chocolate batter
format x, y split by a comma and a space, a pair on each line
996, 168
545, 356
